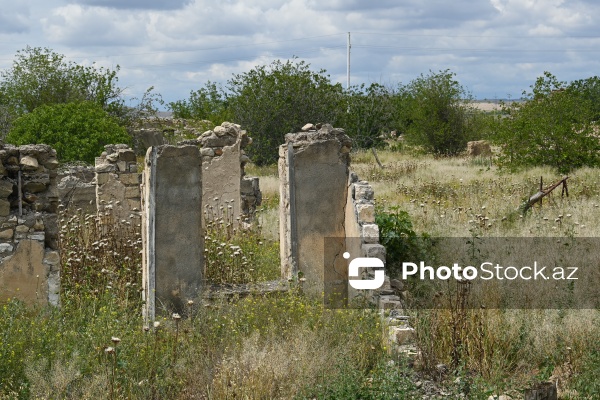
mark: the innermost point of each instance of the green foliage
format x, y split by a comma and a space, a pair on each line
270, 101
586, 383
78, 131
438, 115
207, 103
396, 234
40, 76
369, 113
384, 382
554, 127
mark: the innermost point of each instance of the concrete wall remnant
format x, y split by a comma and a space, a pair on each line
314, 172
173, 241
29, 261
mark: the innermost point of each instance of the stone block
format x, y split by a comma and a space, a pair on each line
365, 213
363, 191
102, 177
105, 168
6, 188
6, 247
35, 186
374, 250
4, 208
126, 155
130, 178
132, 192
6, 234
370, 233
29, 163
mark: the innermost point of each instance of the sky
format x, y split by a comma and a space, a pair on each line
496, 48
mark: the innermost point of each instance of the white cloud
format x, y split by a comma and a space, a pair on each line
493, 45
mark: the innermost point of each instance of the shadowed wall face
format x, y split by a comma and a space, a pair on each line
172, 227
317, 165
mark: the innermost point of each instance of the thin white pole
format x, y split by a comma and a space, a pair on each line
348, 64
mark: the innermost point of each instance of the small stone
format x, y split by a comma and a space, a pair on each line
207, 152
40, 237
218, 152
22, 229
5, 247
29, 163
6, 188
397, 284
106, 168
6, 234
308, 127
34, 187
39, 225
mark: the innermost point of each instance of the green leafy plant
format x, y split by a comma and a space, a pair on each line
396, 234
438, 113
271, 101
554, 127
77, 131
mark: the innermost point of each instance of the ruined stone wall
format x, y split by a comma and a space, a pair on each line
77, 188
29, 260
226, 189
362, 233
118, 183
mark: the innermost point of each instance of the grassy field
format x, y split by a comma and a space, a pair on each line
260, 347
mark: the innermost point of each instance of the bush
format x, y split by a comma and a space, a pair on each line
396, 234
438, 116
78, 131
554, 127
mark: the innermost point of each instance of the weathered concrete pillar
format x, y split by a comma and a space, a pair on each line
314, 172
173, 243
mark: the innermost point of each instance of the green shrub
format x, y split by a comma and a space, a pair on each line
396, 234
77, 131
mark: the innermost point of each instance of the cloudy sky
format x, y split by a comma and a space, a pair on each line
496, 47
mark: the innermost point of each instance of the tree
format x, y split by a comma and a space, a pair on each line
270, 101
39, 76
553, 127
78, 131
438, 113
207, 103
369, 113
